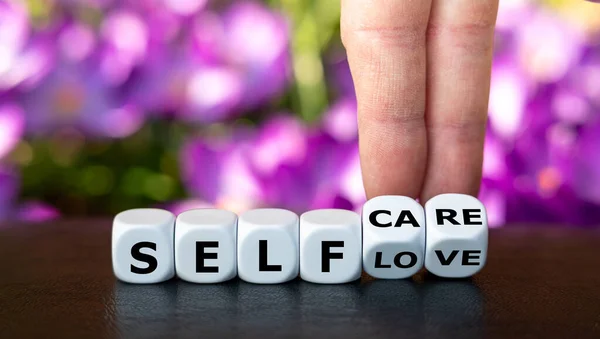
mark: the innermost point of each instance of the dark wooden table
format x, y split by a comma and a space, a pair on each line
56, 281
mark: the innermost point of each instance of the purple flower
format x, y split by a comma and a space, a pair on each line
588, 74
181, 8
24, 59
340, 121
510, 89
188, 89
514, 14
300, 168
497, 184
340, 77
76, 42
571, 107
36, 211
161, 88
220, 65
125, 39
12, 124
9, 188
283, 164
100, 4
578, 96
537, 112
252, 39
75, 95
282, 140
216, 170
10, 209
14, 28
548, 46
539, 176
586, 163
494, 199
185, 7
213, 93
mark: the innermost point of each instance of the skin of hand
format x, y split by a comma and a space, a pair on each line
421, 69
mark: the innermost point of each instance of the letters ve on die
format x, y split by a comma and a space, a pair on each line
392, 241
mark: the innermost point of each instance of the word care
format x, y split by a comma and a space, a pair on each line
395, 238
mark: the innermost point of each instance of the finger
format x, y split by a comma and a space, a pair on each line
385, 42
459, 58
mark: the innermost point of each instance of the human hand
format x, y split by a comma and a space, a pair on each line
421, 70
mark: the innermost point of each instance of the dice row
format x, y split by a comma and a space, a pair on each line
394, 239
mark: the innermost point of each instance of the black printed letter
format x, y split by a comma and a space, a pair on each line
406, 215
373, 218
150, 260
201, 255
263, 266
444, 261
451, 214
411, 263
378, 260
469, 215
468, 255
326, 254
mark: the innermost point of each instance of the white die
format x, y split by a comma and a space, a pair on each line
393, 237
457, 235
205, 245
330, 246
142, 246
268, 246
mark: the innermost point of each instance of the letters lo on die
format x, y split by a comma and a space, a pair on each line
393, 239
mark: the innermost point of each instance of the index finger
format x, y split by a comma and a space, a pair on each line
386, 45
460, 46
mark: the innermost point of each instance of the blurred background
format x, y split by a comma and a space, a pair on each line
107, 105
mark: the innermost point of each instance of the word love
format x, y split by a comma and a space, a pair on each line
395, 238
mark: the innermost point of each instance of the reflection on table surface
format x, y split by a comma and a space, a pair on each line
426, 306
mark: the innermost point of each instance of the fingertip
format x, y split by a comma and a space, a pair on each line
393, 162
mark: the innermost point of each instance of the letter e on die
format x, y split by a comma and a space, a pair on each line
456, 236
